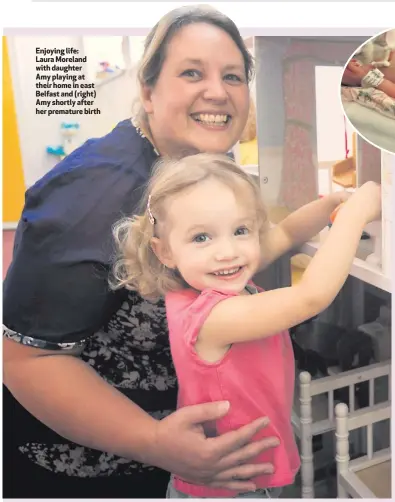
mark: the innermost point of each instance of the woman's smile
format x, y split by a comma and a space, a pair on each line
200, 84
218, 121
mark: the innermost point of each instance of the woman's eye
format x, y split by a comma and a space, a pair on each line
200, 238
233, 78
242, 231
190, 73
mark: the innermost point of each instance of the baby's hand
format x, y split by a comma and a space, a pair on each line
359, 70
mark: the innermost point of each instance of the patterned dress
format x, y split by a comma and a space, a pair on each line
124, 337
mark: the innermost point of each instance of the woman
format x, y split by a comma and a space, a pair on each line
95, 366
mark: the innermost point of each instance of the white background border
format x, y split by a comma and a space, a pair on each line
250, 17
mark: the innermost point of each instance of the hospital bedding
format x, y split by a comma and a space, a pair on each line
372, 113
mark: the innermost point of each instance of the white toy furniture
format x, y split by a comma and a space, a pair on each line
309, 421
368, 476
289, 169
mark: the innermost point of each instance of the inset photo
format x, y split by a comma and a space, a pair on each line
368, 90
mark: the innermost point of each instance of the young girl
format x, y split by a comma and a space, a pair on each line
201, 238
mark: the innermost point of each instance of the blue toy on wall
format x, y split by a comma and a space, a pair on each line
68, 131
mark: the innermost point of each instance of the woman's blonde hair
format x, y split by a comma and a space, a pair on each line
136, 266
157, 41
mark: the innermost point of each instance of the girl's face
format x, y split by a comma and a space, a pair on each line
200, 101
212, 237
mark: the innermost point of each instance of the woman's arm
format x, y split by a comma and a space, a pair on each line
69, 397
301, 226
245, 317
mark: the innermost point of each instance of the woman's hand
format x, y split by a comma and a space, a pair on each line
181, 447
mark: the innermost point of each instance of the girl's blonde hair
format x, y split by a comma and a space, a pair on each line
136, 266
157, 41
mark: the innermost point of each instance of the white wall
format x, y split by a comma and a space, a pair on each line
331, 126
36, 132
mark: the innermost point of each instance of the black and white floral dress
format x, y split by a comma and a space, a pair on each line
56, 296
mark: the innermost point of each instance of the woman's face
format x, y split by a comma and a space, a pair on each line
200, 101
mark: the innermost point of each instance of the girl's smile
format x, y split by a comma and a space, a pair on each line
229, 274
213, 238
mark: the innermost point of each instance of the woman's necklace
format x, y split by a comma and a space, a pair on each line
143, 134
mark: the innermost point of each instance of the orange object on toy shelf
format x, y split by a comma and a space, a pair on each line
334, 213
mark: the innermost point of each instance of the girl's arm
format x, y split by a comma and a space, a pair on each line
300, 226
245, 317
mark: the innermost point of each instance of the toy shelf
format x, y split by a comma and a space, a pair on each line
377, 275
299, 158
360, 269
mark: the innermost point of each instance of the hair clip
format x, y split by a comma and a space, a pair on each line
150, 216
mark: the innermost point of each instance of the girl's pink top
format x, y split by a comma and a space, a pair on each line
256, 377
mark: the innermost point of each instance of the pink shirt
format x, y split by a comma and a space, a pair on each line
256, 377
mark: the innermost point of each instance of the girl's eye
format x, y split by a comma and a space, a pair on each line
190, 73
200, 238
242, 231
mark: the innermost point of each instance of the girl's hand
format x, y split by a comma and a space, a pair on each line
368, 196
341, 197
